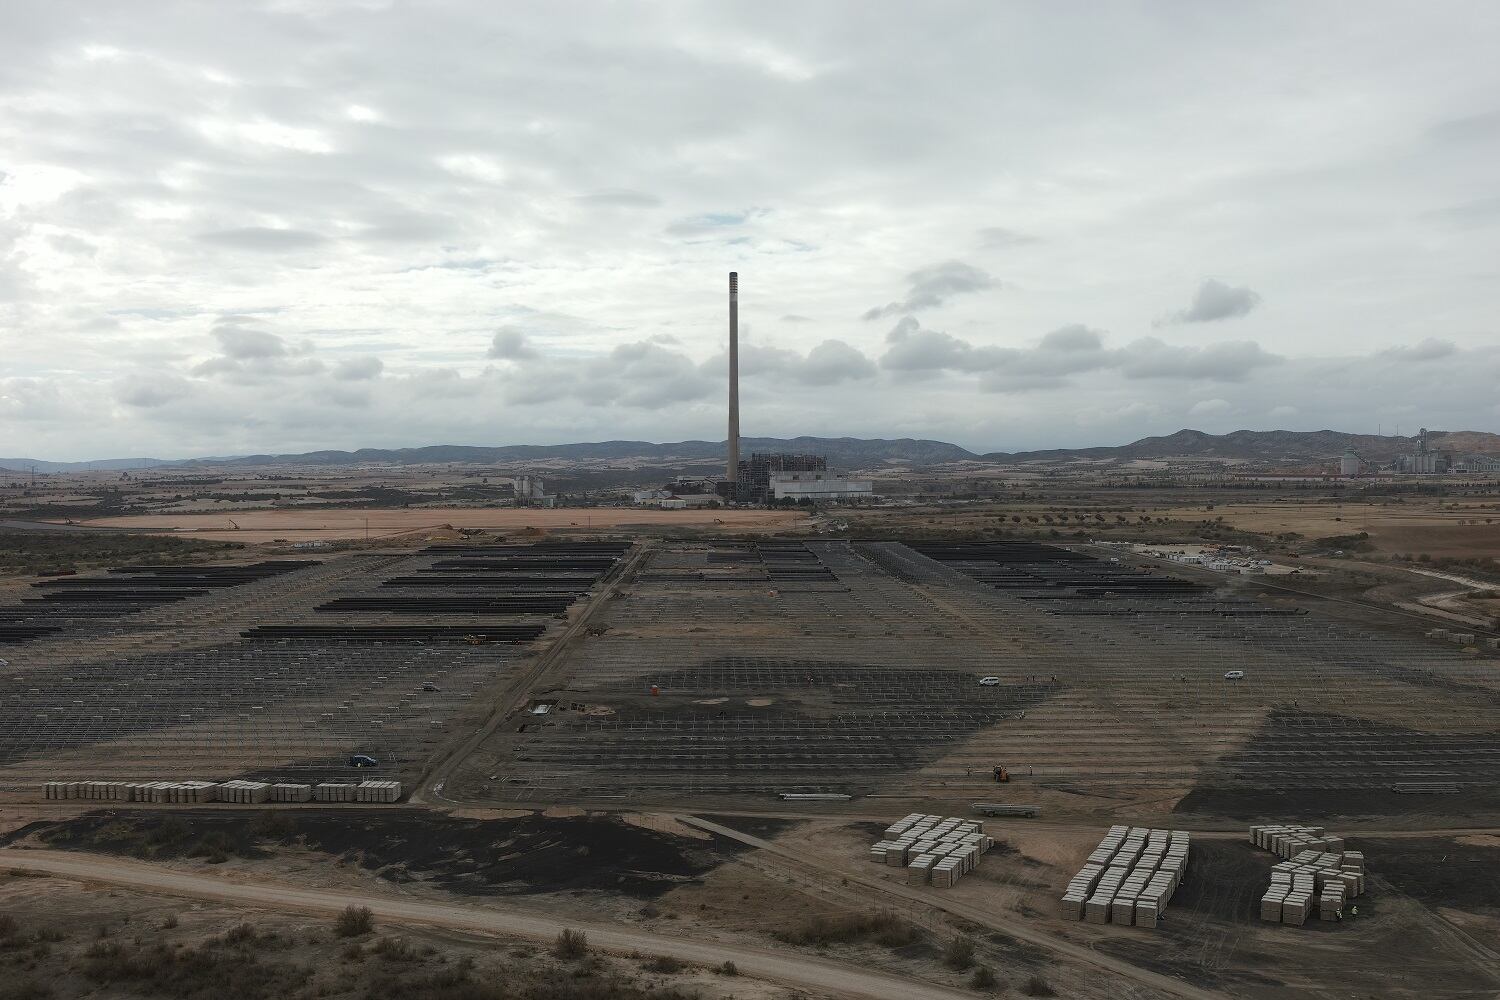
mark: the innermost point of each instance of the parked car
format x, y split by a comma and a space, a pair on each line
362, 760
429, 686
989, 682
1234, 675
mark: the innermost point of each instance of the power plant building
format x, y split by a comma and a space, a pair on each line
819, 486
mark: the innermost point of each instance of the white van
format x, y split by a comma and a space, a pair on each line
1234, 675
989, 682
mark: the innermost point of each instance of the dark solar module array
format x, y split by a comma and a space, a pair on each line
1068, 582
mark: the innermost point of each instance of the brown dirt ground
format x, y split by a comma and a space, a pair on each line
1407, 528
328, 525
63, 929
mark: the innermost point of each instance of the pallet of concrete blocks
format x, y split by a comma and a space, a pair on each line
291, 792
333, 791
920, 842
245, 792
378, 791
919, 872
1128, 878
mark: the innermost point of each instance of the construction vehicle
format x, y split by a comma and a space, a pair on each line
1000, 809
476, 640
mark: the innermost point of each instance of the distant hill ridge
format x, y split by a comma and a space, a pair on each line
845, 452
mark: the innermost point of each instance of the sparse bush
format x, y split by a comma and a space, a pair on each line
273, 825
169, 922
394, 950
959, 954
571, 944
728, 969
214, 847
1036, 986
650, 911
8, 926
240, 934
886, 928
665, 964
353, 921
982, 979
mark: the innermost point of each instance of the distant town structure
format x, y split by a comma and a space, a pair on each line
1350, 464
1424, 461
530, 492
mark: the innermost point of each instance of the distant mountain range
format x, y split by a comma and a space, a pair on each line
846, 453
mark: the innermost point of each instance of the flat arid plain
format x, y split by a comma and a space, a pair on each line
650, 751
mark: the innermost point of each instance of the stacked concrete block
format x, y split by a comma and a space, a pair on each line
934, 850
333, 791
1317, 878
244, 792
378, 791
1128, 878
291, 792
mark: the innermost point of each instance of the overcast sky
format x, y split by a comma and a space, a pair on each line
230, 228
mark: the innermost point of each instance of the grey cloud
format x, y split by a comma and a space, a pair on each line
996, 237
242, 343
828, 363
1069, 350
1471, 128
1430, 349
511, 344
1228, 362
642, 375
358, 369
620, 198
835, 361
263, 239
932, 286
1215, 301
151, 391
249, 353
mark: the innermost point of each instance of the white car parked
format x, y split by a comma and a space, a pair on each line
989, 682
1234, 675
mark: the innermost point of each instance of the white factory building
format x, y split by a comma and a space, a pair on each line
819, 485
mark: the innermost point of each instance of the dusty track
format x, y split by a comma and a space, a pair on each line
1163, 985
811, 973
430, 786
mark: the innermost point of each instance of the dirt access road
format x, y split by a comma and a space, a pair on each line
1163, 985
403, 523
823, 976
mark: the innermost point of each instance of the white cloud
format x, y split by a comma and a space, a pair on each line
351, 190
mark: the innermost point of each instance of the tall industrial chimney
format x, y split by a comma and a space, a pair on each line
733, 470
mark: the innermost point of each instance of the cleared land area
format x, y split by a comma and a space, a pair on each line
678, 684
328, 525
1456, 528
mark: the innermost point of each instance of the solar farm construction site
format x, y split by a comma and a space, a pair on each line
738, 672
281, 671
773, 706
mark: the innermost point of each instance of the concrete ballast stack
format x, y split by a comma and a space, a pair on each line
934, 850
1318, 876
238, 791
1128, 878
